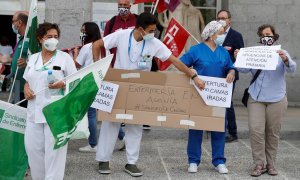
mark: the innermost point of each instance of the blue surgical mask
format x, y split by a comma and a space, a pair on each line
219, 40
15, 30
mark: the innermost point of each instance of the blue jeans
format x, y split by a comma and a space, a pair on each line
93, 128
121, 134
217, 144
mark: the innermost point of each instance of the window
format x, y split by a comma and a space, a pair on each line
208, 8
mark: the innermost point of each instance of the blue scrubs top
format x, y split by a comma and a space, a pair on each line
207, 62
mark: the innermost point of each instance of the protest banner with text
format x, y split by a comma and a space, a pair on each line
217, 91
258, 57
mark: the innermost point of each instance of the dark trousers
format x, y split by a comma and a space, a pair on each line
23, 104
230, 118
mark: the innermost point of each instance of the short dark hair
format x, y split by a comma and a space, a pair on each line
92, 31
145, 19
224, 10
41, 31
264, 26
4, 41
23, 17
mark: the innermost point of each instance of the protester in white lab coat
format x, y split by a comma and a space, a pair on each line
44, 161
136, 48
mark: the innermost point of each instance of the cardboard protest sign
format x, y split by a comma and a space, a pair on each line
106, 96
217, 91
258, 57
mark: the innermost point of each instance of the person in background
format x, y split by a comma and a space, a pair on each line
19, 22
6, 53
89, 33
44, 161
266, 105
143, 46
233, 40
209, 58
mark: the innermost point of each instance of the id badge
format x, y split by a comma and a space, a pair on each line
142, 65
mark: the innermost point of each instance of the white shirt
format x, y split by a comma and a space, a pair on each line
85, 56
153, 47
6, 50
38, 80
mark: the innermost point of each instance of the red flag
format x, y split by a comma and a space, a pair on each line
143, 1
175, 39
167, 4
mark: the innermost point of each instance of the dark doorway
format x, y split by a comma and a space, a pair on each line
6, 29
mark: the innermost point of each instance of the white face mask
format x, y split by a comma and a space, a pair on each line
15, 30
148, 36
50, 44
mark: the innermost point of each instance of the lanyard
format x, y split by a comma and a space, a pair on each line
129, 46
45, 66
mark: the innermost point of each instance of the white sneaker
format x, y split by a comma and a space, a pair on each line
88, 148
222, 169
193, 168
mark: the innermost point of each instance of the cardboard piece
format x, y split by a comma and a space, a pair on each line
161, 99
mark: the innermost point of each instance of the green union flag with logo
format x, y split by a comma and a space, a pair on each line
65, 114
13, 158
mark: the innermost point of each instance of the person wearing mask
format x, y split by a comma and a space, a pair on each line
89, 33
233, 40
44, 161
136, 48
19, 22
6, 52
267, 104
209, 58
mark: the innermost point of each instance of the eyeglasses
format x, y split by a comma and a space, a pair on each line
222, 18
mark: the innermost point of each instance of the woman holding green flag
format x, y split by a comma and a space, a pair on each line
44, 161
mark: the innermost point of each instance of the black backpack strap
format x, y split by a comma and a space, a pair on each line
111, 24
255, 76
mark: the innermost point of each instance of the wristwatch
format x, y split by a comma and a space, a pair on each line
193, 77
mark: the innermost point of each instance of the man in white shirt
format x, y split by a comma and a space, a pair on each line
136, 48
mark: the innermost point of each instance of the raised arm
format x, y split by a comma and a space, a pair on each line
97, 45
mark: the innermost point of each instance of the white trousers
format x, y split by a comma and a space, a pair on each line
45, 162
108, 137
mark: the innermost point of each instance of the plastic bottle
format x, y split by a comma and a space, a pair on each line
51, 79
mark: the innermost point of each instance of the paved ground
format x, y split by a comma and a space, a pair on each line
163, 155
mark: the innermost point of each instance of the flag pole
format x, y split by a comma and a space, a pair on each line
152, 7
24, 39
187, 31
155, 7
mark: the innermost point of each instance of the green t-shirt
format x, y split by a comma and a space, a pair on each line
15, 60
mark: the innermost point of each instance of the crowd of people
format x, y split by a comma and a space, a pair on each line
132, 39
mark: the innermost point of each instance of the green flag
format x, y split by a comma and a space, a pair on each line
13, 158
64, 115
32, 23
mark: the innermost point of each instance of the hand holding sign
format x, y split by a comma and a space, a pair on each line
258, 57
217, 91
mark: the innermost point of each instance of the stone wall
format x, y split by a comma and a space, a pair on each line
248, 15
69, 15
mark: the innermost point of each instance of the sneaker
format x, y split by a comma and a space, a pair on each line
120, 145
88, 148
146, 127
222, 169
193, 168
230, 139
133, 170
104, 168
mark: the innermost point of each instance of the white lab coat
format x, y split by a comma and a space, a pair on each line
44, 161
